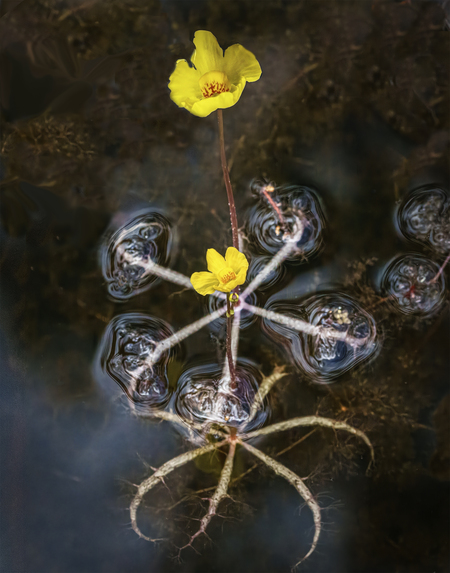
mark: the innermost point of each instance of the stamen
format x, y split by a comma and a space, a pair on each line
214, 83
226, 275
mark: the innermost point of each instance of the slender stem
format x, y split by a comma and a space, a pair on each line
440, 271
229, 350
226, 178
265, 191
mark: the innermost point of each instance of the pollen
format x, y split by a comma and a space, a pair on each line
214, 83
226, 275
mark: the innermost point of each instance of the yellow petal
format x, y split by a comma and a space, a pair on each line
215, 261
236, 260
240, 63
208, 55
183, 84
204, 283
226, 288
205, 106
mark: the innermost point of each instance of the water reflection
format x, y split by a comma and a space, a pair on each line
424, 216
278, 212
145, 238
127, 342
205, 396
321, 357
409, 282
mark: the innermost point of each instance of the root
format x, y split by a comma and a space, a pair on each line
264, 388
314, 421
219, 494
299, 485
158, 476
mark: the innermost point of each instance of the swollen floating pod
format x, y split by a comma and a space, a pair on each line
128, 253
125, 356
279, 212
424, 217
206, 396
413, 285
319, 354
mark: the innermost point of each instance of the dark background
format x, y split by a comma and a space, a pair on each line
354, 102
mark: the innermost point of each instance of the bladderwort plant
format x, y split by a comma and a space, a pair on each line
214, 82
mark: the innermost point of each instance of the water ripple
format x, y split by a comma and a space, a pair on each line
204, 396
264, 229
324, 359
424, 217
145, 238
126, 343
408, 282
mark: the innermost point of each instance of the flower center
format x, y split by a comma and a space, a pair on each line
214, 83
226, 275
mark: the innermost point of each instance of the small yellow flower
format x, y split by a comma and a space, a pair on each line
216, 81
224, 274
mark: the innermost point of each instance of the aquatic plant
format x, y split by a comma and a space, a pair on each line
322, 336
217, 412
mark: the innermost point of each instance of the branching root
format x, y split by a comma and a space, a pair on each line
313, 421
299, 485
158, 476
219, 494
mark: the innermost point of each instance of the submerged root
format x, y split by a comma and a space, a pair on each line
264, 388
158, 476
314, 421
219, 494
221, 491
299, 485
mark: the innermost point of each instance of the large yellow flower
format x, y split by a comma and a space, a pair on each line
216, 81
224, 274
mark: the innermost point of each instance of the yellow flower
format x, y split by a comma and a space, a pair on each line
216, 81
224, 274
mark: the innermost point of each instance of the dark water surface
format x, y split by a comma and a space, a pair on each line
353, 105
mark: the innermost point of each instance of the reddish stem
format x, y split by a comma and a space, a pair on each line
226, 178
274, 207
435, 278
